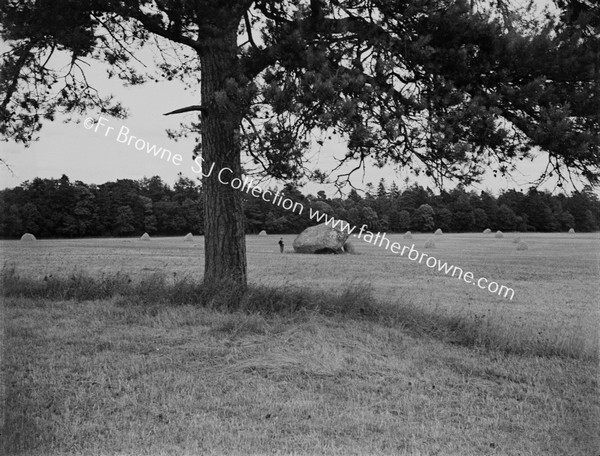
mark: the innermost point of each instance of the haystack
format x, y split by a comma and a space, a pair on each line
522, 246
262, 233
430, 244
487, 231
438, 232
189, 237
28, 237
408, 235
571, 230
516, 240
145, 237
499, 234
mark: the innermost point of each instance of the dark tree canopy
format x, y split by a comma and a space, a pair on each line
449, 88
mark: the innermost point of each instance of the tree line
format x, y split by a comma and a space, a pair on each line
61, 208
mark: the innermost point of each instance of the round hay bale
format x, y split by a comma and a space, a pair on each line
349, 248
487, 231
28, 237
430, 244
408, 235
571, 230
516, 240
438, 232
522, 246
145, 237
188, 237
499, 234
262, 233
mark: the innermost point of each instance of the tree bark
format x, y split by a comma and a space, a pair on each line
224, 241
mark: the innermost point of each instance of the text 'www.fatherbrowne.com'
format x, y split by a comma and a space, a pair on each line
381, 240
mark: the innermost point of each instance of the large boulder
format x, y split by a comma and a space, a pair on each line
322, 239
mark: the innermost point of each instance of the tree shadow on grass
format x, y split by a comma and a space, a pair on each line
355, 301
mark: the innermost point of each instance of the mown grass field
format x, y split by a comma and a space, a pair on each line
107, 377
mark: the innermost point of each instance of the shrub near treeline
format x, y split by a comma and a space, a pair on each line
61, 208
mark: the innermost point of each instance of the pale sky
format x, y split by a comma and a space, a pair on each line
96, 156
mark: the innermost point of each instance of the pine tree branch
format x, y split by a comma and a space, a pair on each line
200, 108
153, 25
249, 31
16, 72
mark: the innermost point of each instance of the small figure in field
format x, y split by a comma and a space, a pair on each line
281, 245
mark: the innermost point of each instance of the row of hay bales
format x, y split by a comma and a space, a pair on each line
499, 234
430, 243
438, 232
144, 237
408, 235
488, 231
188, 237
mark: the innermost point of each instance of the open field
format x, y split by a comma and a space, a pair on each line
104, 377
556, 282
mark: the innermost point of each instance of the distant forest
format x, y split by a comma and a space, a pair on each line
61, 208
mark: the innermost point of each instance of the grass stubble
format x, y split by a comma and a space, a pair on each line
159, 365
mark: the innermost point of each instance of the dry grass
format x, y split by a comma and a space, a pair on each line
418, 363
555, 281
97, 377
354, 300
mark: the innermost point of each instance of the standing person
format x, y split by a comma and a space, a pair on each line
281, 245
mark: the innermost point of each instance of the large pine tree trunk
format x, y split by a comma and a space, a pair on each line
224, 239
